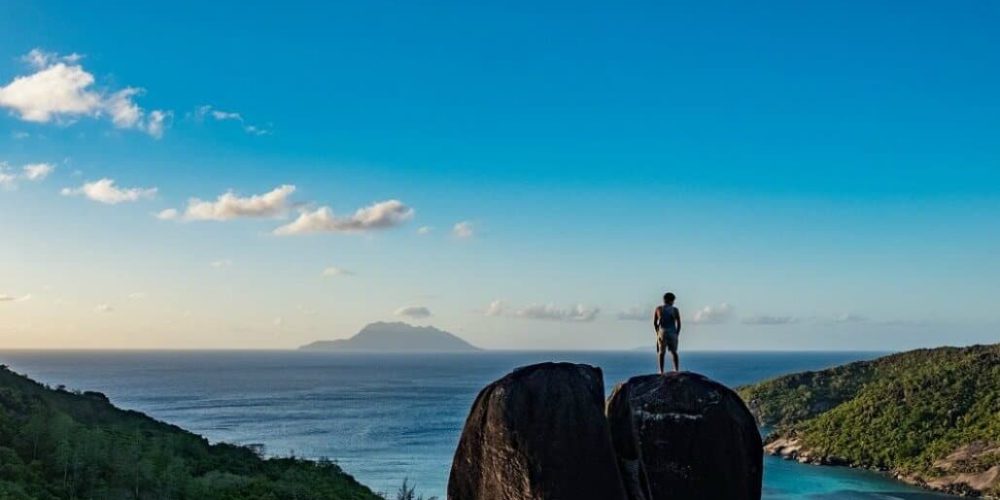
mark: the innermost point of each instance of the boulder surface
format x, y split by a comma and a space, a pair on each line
683, 436
538, 433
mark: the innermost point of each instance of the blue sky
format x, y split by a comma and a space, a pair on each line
803, 176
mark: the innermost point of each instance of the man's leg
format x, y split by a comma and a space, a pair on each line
677, 362
672, 341
659, 357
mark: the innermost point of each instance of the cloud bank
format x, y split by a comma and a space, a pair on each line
636, 313
713, 314
546, 312
766, 320
550, 312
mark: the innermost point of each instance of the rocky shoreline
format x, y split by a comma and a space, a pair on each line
951, 481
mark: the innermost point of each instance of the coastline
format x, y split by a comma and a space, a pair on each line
957, 483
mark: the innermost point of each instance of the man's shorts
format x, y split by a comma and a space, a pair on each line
666, 340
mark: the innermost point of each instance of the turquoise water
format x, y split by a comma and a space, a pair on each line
389, 417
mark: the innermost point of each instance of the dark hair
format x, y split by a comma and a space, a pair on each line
669, 297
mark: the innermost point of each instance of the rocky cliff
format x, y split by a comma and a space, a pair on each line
541, 433
682, 435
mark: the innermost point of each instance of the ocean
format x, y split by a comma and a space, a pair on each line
389, 417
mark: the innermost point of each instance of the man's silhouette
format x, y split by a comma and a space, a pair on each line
667, 325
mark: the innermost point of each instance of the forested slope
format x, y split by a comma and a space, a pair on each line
60, 444
931, 416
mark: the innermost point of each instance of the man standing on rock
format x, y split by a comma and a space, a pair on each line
667, 325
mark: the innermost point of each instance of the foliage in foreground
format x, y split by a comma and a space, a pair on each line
905, 412
55, 444
408, 492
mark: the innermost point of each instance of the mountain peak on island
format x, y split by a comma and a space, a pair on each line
397, 336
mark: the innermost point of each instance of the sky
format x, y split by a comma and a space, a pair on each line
808, 176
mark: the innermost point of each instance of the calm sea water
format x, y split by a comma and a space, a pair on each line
387, 417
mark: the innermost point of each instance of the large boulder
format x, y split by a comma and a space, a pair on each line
682, 436
538, 433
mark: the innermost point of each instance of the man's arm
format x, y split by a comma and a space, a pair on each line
678, 319
656, 319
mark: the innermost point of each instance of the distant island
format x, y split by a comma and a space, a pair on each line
930, 417
60, 444
395, 337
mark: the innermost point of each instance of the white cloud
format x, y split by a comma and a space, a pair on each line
221, 263
33, 172
713, 314
765, 320
11, 298
415, 312
125, 113
550, 312
496, 308
255, 130
61, 90
278, 321
849, 318
230, 206
137, 295
636, 313
168, 214
157, 122
222, 115
336, 271
36, 171
424, 230
20, 135
53, 92
579, 312
380, 215
103, 308
463, 230
207, 111
105, 191
8, 180
40, 59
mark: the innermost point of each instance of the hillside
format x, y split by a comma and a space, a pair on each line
930, 416
60, 444
396, 337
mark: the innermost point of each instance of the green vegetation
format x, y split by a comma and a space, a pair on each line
929, 415
56, 444
408, 492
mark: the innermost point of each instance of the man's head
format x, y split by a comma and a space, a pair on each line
669, 298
